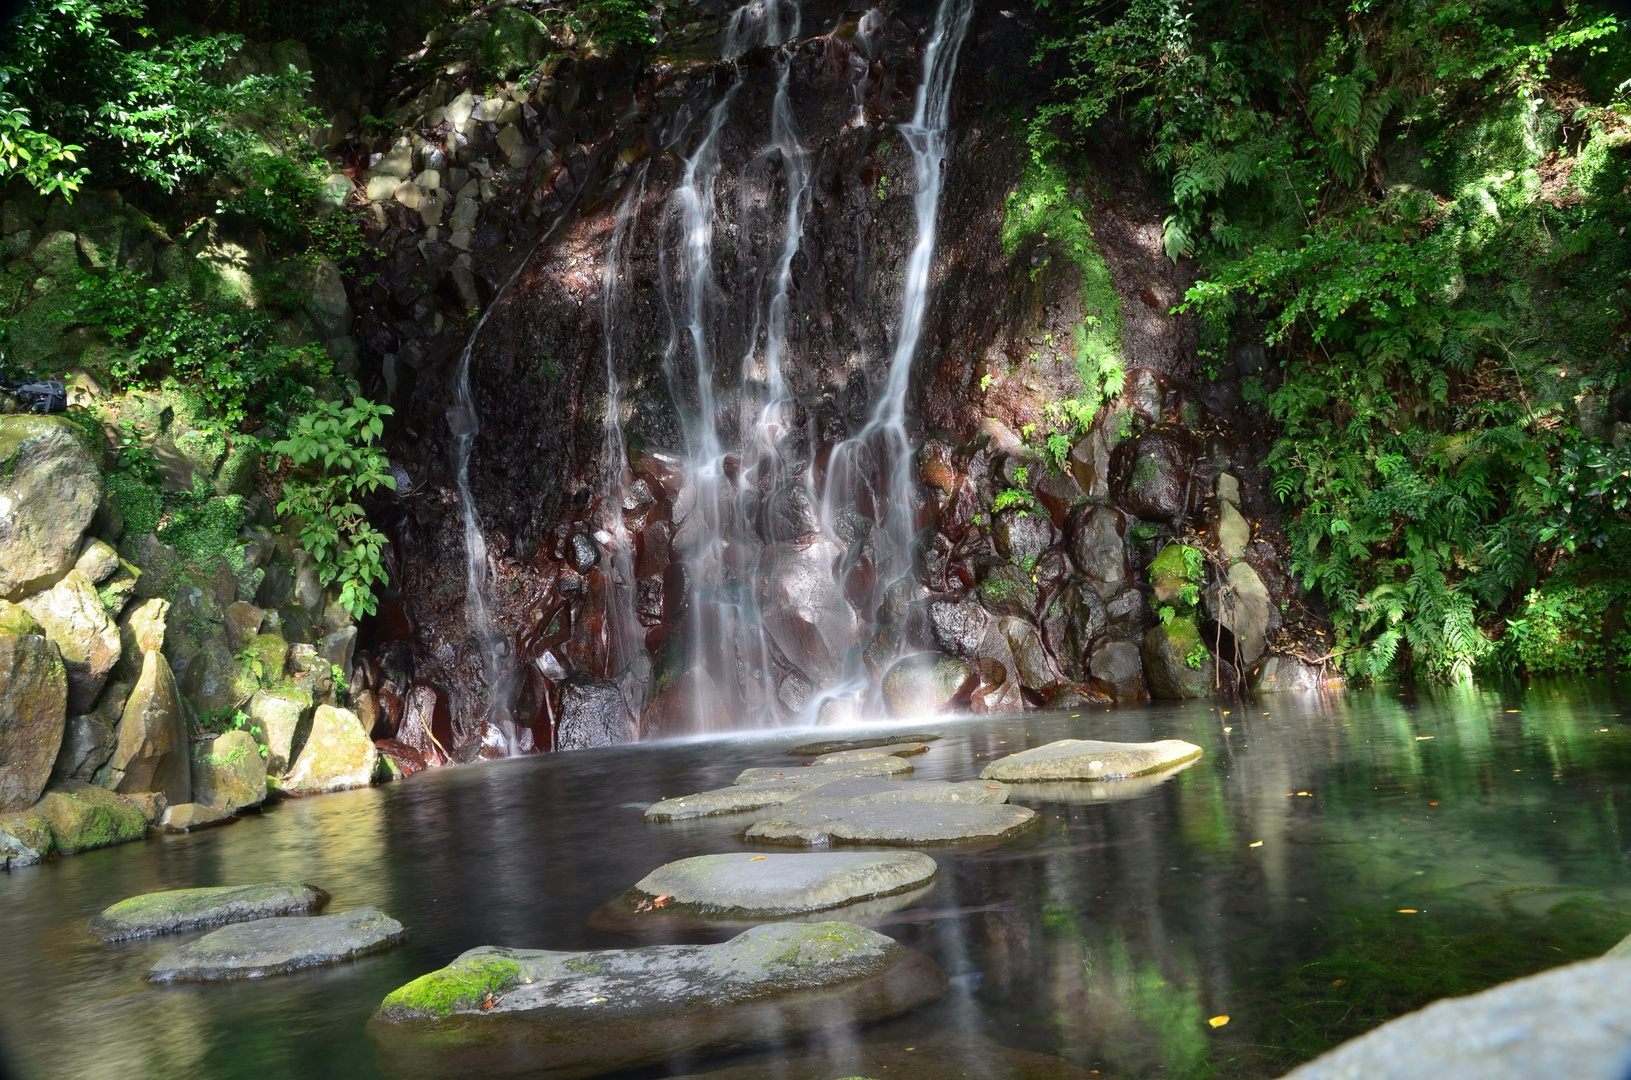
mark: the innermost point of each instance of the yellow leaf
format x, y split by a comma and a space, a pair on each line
1219, 1021
1255, 843
1407, 911
757, 858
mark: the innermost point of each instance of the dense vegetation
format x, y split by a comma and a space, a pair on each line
1420, 210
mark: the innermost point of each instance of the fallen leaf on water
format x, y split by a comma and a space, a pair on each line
1432, 804
1424, 738
1338, 982
1408, 911
761, 858
1310, 794
1219, 1021
1255, 843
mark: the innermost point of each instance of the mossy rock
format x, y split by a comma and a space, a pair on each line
268, 652
463, 985
25, 838
15, 619
1168, 650
514, 40
1169, 572
175, 911
83, 816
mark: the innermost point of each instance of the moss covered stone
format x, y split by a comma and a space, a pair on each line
464, 984
83, 817
1170, 572
25, 838
177, 910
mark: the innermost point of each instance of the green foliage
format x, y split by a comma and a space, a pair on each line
1427, 226
333, 462
227, 354
616, 23
1014, 499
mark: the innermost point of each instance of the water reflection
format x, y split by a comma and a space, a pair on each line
1326, 865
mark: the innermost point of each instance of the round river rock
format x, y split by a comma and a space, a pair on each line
904, 824
1089, 759
741, 884
278, 946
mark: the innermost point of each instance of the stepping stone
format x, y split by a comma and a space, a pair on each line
1085, 792
872, 753
178, 910
904, 824
1088, 759
746, 885
869, 792
887, 765
278, 946
834, 746
507, 1012
185, 817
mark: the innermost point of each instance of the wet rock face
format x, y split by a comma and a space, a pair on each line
593, 715
1154, 475
33, 704
925, 684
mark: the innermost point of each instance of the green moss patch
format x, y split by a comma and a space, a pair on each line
463, 984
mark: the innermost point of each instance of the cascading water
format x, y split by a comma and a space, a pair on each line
626, 660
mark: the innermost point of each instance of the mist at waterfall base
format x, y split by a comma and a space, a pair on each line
1107, 936
765, 525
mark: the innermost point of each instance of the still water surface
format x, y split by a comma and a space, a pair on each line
1264, 883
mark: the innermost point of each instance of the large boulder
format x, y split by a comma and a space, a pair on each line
83, 816
500, 1012
151, 753
1073, 623
74, 618
33, 712
958, 627
229, 772
338, 755
804, 609
1090, 462
283, 714
1153, 474
25, 838
1241, 604
1177, 663
1116, 668
592, 715
1098, 545
1021, 535
1035, 668
925, 684
50, 488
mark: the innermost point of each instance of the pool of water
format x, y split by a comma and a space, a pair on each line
1326, 865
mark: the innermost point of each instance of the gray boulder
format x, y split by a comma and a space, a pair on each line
1288, 674
1242, 605
338, 755
151, 752
278, 946
74, 618
815, 824
866, 791
1020, 535
1098, 544
511, 1012
190, 816
33, 711
886, 765
89, 738
592, 715
740, 797
1567, 1022
284, 715
958, 627
1152, 474
1116, 668
926, 684
745, 885
1032, 663
833, 746
229, 772
1090, 463
1234, 534
50, 488
175, 911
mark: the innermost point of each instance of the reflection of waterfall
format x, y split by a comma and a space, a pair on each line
499, 668
626, 659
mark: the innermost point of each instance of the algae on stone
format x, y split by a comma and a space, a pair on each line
176, 910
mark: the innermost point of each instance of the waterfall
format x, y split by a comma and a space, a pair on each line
626, 659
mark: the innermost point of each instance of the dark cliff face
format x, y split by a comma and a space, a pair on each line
538, 369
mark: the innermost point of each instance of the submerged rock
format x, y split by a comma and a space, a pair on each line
1088, 759
741, 884
50, 490
868, 792
33, 707
277, 946
1567, 1022
176, 910
833, 746
926, 684
816, 824
515, 1012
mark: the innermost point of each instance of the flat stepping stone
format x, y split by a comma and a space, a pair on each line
747, 885
740, 797
904, 824
1089, 759
871, 753
178, 910
835, 746
507, 1012
888, 765
866, 791
278, 946
1085, 792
